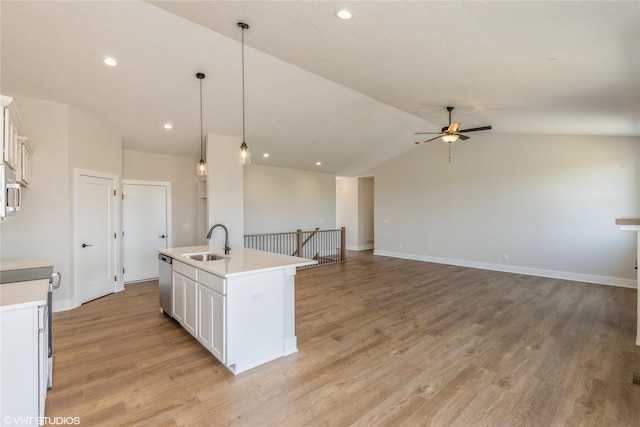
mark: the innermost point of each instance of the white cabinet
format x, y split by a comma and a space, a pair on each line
23, 173
185, 296
23, 362
212, 314
10, 148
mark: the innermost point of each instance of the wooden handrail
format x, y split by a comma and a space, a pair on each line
329, 246
301, 245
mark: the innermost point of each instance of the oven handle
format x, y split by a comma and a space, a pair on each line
17, 198
56, 278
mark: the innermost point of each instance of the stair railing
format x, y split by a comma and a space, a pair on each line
324, 246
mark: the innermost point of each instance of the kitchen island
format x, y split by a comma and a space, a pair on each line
240, 306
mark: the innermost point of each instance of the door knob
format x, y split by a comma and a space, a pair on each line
84, 245
161, 237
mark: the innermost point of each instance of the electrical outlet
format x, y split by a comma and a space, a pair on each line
505, 256
387, 221
401, 245
257, 296
185, 225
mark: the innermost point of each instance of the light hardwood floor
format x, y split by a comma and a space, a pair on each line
381, 341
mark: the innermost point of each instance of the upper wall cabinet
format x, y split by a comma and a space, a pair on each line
10, 145
24, 165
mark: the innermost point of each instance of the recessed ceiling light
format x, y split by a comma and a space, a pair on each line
168, 126
265, 155
343, 14
318, 163
110, 62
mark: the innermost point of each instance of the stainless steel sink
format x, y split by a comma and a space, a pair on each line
205, 256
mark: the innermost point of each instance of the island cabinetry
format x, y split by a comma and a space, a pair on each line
184, 305
212, 314
243, 307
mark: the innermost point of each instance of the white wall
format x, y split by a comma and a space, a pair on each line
366, 229
549, 202
180, 172
280, 200
347, 209
225, 188
93, 146
43, 228
62, 139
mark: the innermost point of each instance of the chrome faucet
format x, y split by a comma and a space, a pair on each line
226, 237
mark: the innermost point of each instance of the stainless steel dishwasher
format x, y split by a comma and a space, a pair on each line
164, 283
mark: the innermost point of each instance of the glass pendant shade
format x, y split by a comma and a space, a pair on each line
245, 154
201, 168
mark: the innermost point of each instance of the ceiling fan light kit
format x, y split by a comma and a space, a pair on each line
452, 132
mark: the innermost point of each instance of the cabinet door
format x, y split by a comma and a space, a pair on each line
205, 315
24, 177
190, 306
10, 140
218, 326
177, 302
211, 321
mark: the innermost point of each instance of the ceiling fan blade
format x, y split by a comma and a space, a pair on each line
463, 137
427, 133
475, 129
433, 139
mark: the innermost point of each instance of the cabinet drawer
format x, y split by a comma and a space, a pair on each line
185, 270
215, 283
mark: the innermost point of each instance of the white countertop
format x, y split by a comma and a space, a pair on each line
239, 262
23, 294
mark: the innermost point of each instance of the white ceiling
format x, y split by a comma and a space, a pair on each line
347, 93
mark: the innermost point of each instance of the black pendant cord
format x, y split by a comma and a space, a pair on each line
201, 76
201, 137
244, 27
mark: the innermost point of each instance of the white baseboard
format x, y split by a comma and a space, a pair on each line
359, 248
64, 305
553, 274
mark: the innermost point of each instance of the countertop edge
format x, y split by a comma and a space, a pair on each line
627, 221
214, 267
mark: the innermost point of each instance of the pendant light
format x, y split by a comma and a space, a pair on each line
201, 168
245, 154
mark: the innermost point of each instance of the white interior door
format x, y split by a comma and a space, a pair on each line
95, 237
146, 210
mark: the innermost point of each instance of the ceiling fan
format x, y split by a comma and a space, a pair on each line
452, 132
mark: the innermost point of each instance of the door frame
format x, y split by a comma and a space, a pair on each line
167, 186
117, 213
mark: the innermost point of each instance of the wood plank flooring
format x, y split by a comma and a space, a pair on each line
382, 342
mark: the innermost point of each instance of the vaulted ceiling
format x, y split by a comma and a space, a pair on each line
349, 94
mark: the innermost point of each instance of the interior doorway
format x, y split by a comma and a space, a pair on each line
95, 235
146, 224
